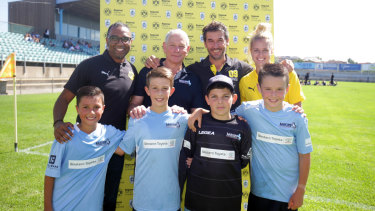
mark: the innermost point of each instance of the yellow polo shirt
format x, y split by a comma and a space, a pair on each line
249, 90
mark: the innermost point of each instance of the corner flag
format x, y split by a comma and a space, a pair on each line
9, 68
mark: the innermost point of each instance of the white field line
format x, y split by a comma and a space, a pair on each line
341, 202
28, 150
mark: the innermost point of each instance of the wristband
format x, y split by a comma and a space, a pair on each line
57, 122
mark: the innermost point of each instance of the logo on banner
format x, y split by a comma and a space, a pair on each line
144, 13
168, 14
201, 38
144, 36
179, 25
213, 16
144, 2
179, 3
107, 11
190, 4
201, 15
245, 28
268, 18
246, 6
133, 35
190, 26
223, 6
155, 2
213, 4
235, 16
245, 17
155, 48
179, 15
132, 12
256, 7
120, 1
132, 59
107, 1
191, 49
107, 23
144, 24
235, 39
246, 40
155, 25
143, 59
245, 50
144, 48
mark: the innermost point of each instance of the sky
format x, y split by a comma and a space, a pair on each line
329, 29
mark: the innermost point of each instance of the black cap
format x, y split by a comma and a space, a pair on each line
220, 79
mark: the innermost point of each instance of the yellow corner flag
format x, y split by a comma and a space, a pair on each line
9, 68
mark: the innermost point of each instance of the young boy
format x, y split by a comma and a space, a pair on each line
281, 145
76, 170
157, 139
220, 149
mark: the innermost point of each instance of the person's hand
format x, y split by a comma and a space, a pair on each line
299, 109
63, 131
152, 62
195, 116
178, 110
296, 200
288, 64
188, 162
138, 112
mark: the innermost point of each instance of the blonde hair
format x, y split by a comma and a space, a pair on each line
262, 31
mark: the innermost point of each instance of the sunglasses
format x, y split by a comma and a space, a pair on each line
116, 39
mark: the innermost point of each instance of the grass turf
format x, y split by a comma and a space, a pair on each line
341, 122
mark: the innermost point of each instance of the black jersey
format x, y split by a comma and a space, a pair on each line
116, 80
220, 149
233, 68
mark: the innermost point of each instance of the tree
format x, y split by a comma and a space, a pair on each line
351, 61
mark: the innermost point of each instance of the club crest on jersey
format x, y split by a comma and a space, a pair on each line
103, 143
187, 82
234, 136
172, 124
205, 132
288, 125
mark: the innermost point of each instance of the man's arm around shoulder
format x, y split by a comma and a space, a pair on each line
62, 130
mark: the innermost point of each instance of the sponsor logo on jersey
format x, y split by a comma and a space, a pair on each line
52, 159
308, 142
185, 82
205, 132
218, 153
159, 143
288, 125
187, 144
103, 143
234, 136
284, 140
172, 124
83, 164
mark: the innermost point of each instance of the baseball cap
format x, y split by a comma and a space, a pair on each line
220, 79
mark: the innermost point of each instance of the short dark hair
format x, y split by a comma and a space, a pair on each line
160, 72
275, 70
115, 25
213, 27
89, 91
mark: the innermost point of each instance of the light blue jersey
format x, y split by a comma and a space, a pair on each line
80, 167
278, 138
157, 140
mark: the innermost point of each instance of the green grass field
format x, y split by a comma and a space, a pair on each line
341, 122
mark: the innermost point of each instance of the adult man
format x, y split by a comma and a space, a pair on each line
187, 85
216, 40
114, 75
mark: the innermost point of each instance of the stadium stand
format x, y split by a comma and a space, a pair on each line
30, 51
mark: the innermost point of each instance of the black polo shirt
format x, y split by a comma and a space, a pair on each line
232, 68
116, 80
187, 92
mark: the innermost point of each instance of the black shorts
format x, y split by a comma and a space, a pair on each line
256, 203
